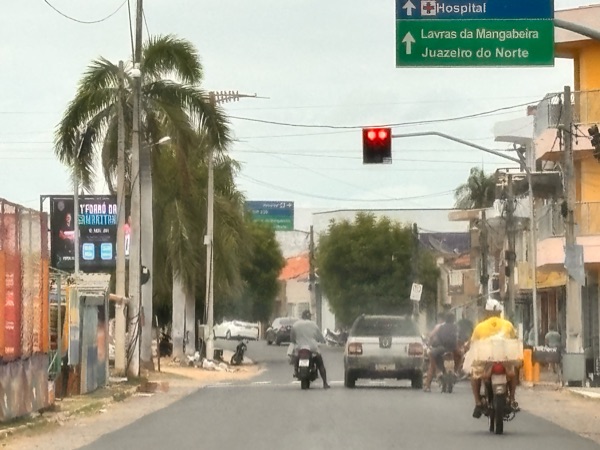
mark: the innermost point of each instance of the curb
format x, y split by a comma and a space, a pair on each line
585, 394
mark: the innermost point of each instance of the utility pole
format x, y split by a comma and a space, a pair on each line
483, 244
312, 277
573, 309
133, 368
120, 361
510, 253
208, 241
215, 98
415, 265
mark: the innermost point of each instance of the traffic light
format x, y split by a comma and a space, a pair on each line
377, 145
595, 137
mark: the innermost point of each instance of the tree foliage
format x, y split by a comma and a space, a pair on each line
478, 192
368, 266
260, 271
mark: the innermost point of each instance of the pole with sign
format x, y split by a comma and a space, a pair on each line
415, 296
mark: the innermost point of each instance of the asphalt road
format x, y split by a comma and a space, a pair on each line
271, 411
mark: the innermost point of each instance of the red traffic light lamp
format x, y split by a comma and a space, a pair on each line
377, 145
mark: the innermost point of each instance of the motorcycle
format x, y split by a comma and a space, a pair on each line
306, 368
238, 357
448, 378
495, 397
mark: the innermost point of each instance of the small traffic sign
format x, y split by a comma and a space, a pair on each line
416, 291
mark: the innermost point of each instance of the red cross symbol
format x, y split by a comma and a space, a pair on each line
428, 7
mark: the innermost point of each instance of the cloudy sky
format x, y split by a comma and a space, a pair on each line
319, 63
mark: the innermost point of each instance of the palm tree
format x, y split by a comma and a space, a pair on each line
171, 104
477, 192
180, 207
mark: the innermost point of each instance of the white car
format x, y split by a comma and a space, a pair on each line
384, 347
236, 329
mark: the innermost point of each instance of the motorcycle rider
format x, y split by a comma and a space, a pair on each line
492, 325
443, 338
306, 333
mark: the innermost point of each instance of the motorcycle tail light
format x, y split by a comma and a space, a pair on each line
498, 369
415, 349
303, 354
355, 348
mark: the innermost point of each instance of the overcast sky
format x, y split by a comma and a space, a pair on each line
320, 62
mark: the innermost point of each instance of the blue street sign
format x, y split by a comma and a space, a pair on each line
481, 9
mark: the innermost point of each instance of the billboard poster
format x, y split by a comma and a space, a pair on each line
97, 218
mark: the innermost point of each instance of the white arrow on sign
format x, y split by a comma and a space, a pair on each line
409, 40
409, 7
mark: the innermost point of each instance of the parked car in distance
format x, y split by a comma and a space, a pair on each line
384, 347
236, 329
280, 330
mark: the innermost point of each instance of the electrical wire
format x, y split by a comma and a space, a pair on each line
131, 30
324, 197
146, 23
393, 125
86, 22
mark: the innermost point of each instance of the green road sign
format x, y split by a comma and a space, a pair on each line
279, 214
446, 43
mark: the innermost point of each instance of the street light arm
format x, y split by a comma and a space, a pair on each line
577, 28
460, 141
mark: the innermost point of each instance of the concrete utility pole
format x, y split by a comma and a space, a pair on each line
215, 98
133, 368
510, 253
574, 315
483, 244
415, 264
314, 299
210, 258
120, 361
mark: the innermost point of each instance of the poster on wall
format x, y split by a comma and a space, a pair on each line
98, 217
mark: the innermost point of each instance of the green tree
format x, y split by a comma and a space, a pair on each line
260, 271
366, 266
478, 192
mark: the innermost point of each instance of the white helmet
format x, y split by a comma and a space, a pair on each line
493, 305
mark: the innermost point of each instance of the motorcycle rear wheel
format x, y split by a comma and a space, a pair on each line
499, 408
304, 384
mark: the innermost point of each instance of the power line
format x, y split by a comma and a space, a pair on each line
284, 189
146, 23
393, 125
349, 105
86, 22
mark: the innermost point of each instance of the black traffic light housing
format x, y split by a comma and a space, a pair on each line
377, 145
595, 138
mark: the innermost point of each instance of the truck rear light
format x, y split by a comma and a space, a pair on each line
415, 349
355, 348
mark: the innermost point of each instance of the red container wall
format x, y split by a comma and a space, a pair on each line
12, 304
28, 293
2, 293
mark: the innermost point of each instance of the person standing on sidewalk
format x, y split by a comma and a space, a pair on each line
553, 340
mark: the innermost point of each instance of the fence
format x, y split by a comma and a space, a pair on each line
24, 310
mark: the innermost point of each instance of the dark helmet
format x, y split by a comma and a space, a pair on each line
306, 314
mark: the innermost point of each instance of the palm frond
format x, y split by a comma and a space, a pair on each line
169, 55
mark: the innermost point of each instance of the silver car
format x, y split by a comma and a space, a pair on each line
384, 347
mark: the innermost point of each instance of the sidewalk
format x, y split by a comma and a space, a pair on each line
79, 420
